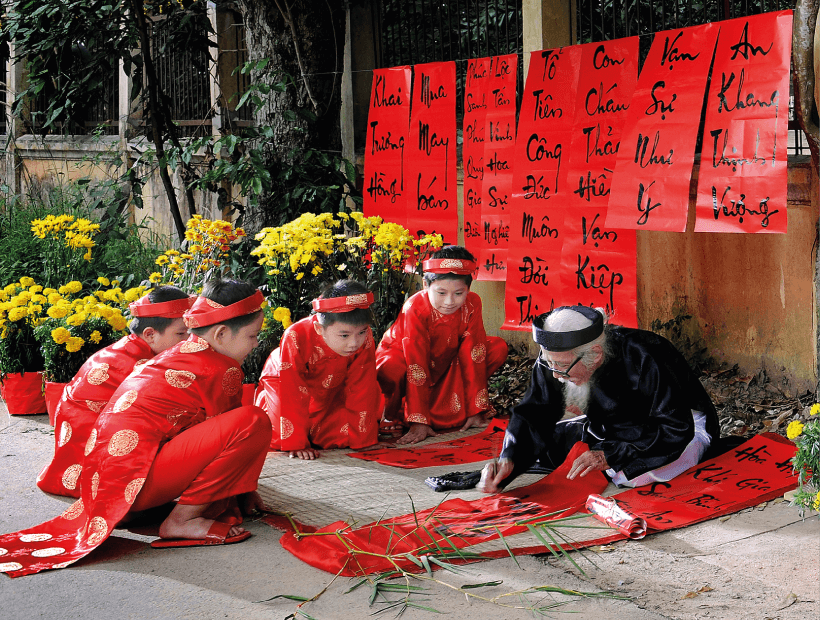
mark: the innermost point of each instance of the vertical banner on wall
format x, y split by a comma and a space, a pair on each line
598, 264
432, 203
653, 170
472, 154
385, 186
743, 174
499, 150
539, 185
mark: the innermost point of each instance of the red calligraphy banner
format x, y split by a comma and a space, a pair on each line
650, 190
432, 203
386, 188
539, 186
743, 172
598, 262
475, 111
499, 150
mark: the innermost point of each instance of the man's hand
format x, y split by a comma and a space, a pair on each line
591, 460
493, 474
308, 454
478, 420
418, 432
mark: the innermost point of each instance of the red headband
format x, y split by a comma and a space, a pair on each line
207, 312
459, 266
343, 304
173, 309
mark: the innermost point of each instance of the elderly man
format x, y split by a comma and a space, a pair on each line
637, 405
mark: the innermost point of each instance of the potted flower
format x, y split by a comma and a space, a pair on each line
807, 459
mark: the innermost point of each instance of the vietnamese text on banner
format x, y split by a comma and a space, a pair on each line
743, 172
472, 153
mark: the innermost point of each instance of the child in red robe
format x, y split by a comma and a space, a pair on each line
173, 429
319, 387
157, 326
436, 357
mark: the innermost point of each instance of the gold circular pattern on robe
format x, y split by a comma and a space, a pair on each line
132, 489
3, 551
97, 531
123, 442
73, 511
190, 346
416, 418
294, 339
455, 403
47, 552
179, 378
65, 434
286, 366
416, 374
363, 421
125, 401
481, 399
92, 441
232, 381
140, 364
95, 405
34, 537
479, 353
327, 382
303, 389
95, 484
10, 566
71, 475
345, 430
98, 374
285, 427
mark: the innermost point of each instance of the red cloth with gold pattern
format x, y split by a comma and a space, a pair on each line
177, 389
316, 396
437, 363
81, 403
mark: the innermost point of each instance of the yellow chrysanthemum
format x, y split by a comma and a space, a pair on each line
104, 281
60, 335
794, 430
74, 344
15, 314
155, 278
815, 409
74, 287
26, 281
95, 336
58, 312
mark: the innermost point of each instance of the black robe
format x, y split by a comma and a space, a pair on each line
639, 412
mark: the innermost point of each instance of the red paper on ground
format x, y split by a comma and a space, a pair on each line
499, 150
539, 186
432, 203
650, 189
386, 186
743, 165
472, 150
481, 447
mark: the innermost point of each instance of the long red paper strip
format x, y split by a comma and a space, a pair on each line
472, 149
499, 150
432, 204
386, 186
539, 186
743, 172
650, 190
755, 472
598, 262
481, 447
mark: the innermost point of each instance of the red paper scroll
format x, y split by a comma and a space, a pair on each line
598, 263
432, 203
650, 190
386, 187
499, 150
539, 185
472, 153
743, 175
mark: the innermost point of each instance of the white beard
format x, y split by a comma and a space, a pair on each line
576, 397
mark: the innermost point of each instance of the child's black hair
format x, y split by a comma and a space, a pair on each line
225, 292
160, 323
450, 251
343, 288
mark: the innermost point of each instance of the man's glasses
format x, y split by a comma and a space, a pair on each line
561, 373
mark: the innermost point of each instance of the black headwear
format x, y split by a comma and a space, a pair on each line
566, 341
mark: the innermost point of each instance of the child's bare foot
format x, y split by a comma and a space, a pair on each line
478, 420
418, 432
185, 522
308, 454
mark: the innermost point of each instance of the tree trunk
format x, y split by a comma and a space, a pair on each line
305, 39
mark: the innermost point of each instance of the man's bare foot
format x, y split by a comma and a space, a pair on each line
418, 432
479, 420
185, 521
308, 454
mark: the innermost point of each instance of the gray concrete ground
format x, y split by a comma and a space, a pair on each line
762, 563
